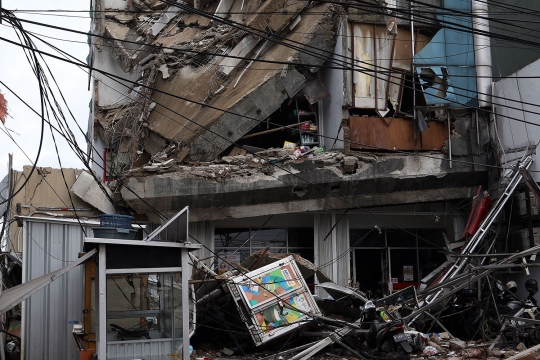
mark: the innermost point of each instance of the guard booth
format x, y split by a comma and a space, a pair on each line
142, 293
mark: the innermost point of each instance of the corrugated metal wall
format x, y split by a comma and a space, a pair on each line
49, 246
139, 348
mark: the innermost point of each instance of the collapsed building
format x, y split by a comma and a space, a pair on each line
196, 104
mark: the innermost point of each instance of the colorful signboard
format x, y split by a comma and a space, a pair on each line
275, 297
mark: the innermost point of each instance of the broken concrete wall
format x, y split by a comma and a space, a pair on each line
197, 79
261, 90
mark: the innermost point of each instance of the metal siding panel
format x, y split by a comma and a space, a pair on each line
130, 349
51, 246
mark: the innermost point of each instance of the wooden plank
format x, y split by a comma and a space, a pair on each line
433, 139
370, 133
89, 279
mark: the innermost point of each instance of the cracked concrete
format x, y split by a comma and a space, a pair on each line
189, 71
222, 191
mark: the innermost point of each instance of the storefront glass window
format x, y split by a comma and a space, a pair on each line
367, 238
235, 245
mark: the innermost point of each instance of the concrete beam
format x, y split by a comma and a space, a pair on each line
392, 180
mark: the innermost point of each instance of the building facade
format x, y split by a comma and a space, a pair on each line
355, 136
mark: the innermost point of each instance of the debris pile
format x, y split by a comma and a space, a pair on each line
264, 307
245, 164
191, 53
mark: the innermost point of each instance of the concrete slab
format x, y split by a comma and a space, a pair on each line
88, 190
301, 187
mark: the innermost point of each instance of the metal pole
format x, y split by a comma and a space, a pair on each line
102, 304
413, 72
7, 218
185, 304
477, 129
449, 138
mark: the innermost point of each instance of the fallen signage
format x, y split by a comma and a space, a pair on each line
268, 297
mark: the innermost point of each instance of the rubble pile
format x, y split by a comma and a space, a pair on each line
252, 164
346, 324
264, 308
197, 53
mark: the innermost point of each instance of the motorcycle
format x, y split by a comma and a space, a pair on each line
384, 335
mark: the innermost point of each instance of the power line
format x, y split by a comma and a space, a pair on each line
153, 209
180, 114
310, 65
259, 121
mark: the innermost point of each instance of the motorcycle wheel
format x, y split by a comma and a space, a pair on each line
490, 328
388, 346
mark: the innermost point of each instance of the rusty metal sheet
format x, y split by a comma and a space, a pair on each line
420, 41
373, 133
402, 51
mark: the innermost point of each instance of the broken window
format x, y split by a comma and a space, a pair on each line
235, 245
382, 60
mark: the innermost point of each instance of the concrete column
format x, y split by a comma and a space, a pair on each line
331, 255
203, 231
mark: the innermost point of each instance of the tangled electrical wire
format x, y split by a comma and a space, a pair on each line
32, 57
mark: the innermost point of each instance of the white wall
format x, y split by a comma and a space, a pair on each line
112, 90
115, 4
513, 133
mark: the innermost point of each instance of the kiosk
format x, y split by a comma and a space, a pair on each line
142, 293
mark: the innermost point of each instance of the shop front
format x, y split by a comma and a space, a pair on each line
389, 260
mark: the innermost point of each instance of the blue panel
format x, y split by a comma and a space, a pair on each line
461, 86
453, 50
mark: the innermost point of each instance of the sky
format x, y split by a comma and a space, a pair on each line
23, 124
